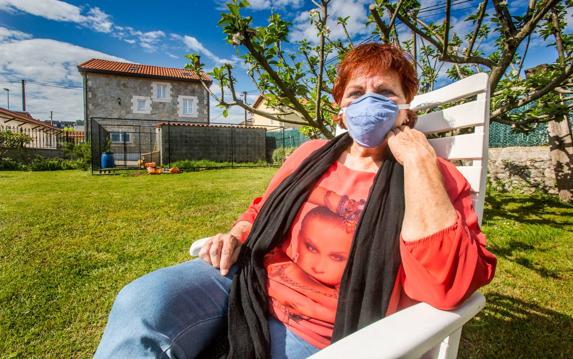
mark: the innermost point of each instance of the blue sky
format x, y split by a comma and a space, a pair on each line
42, 41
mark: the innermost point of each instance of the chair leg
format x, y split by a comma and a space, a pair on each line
449, 346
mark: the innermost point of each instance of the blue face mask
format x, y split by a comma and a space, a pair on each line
370, 117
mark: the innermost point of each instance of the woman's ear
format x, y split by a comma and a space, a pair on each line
339, 120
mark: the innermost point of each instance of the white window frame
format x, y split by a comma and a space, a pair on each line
181, 100
166, 92
135, 100
123, 136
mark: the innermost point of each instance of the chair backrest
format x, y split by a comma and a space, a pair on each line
469, 146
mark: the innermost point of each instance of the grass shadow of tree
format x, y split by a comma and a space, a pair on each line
512, 328
535, 218
531, 209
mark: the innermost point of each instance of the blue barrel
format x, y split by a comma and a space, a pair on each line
107, 160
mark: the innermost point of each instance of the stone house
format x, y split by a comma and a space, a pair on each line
124, 101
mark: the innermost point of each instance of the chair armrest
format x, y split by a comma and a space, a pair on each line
196, 246
409, 333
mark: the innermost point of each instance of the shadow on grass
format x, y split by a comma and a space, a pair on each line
541, 213
511, 328
530, 209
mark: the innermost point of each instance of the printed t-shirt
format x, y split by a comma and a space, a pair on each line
304, 273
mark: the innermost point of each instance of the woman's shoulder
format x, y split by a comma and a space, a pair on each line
310, 146
304, 150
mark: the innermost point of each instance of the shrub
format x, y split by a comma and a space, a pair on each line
53, 164
8, 164
189, 165
80, 153
281, 154
12, 140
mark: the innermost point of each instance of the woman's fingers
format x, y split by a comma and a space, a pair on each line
229, 249
204, 252
215, 250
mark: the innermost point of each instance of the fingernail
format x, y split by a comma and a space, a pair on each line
223, 272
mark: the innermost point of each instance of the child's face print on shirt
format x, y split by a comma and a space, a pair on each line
323, 246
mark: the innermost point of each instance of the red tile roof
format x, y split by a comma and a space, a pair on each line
25, 117
130, 69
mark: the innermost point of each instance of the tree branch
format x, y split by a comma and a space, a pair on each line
322, 30
513, 43
393, 17
507, 25
535, 95
523, 57
481, 15
384, 31
449, 57
529, 26
447, 28
280, 83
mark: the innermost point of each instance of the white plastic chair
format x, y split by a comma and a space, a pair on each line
421, 330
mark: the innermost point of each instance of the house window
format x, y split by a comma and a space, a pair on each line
188, 106
161, 92
120, 137
141, 104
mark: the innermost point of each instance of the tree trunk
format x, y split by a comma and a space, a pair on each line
561, 153
560, 140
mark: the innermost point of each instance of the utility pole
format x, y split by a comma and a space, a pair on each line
23, 95
245, 102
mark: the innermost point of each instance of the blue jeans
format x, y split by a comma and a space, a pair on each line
176, 312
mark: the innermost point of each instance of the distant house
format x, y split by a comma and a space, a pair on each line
44, 135
127, 93
261, 121
124, 101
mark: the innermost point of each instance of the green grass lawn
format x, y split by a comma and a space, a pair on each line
69, 241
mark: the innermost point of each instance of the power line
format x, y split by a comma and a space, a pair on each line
39, 83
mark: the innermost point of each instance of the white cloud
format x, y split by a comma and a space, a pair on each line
275, 4
355, 9
264, 4
10, 35
52, 64
60, 11
91, 17
193, 44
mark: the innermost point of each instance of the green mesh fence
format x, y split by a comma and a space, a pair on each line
503, 136
288, 137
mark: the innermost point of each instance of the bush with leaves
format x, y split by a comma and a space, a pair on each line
281, 154
12, 140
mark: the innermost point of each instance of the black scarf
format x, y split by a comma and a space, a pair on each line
369, 274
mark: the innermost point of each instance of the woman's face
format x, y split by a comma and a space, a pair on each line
387, 84
323, 248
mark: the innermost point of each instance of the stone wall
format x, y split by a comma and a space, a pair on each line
521, 169
213, 143
111, 96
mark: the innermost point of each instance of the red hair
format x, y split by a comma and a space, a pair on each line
372, 58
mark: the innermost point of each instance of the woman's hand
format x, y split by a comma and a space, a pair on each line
221, 251
409, 145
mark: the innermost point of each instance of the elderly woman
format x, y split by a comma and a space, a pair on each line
348, 231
